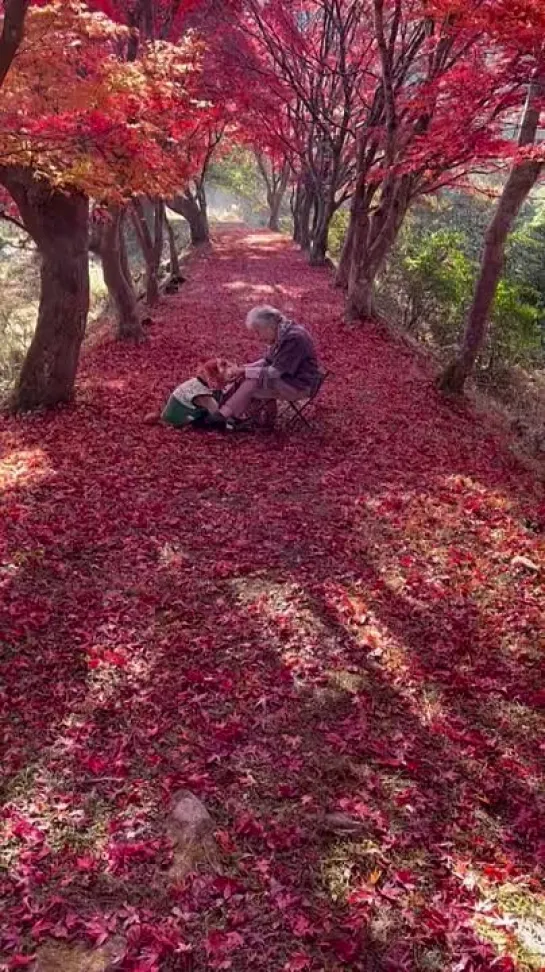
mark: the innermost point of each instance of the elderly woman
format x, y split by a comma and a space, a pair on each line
288, 372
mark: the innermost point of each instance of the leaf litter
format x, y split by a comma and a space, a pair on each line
333, 641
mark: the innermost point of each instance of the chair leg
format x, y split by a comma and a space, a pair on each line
298, 415
306, 422
298, 412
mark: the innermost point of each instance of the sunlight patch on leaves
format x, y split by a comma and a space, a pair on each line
112, 385
257, 292
517, 925
24, 467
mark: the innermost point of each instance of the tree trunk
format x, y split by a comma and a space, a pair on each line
151, 244
362, 278
361, 302
356, 268
301, 210
59, 224
318, 246
175, 269
202, 203
275, 197
306, 212
358, 224
276, 183
362, 275
372, 241
522, 179
343, 270
11, 38
187, 206
275, 202
123, 255
320, 234
152, 281
121, 292
295, 205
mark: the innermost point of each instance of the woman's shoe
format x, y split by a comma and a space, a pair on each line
214, 421
239, 425
218, 423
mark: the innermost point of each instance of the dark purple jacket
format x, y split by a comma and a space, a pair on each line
294, 356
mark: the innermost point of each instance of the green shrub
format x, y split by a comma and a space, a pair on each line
516, 332
237, 172
337, 232
439, 279
429, 280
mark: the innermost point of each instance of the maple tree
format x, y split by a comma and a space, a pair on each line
299, 75
381, 101
520, 29
435, 112
276, 176
200, 149
103, 127
149, 22
227, 120
257, 131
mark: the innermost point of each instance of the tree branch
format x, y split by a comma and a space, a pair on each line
15, 222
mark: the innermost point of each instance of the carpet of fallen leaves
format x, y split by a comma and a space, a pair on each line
327, 637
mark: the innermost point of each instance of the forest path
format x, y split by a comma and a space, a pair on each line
287, 626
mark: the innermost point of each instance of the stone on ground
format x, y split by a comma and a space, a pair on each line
191, 828
60, 957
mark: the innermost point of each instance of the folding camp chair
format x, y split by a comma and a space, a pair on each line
296, 409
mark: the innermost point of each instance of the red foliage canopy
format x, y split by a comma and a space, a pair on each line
82, 116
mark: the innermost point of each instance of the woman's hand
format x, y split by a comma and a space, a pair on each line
235, 372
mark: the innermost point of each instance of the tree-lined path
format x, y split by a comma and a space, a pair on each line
331, 639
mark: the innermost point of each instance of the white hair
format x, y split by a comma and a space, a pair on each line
262, 317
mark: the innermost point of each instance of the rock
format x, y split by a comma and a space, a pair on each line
341, 823
58, 957
191, 828
191, 814
526, 563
